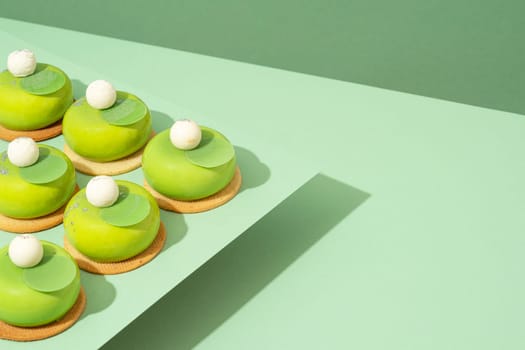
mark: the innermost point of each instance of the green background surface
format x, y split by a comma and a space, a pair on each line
460, 50
412, 236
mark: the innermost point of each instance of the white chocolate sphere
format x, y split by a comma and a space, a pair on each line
22, 151
185, 134
21, 63
100, 94
25, 251
102, 191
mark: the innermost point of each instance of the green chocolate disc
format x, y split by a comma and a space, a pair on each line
128, 210
53, 273
47, 168
46, 80
124, 112
213, 151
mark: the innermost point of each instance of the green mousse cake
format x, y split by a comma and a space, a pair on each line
104, 135
40, 294
189, 174
39, 189
115, 232
35, 101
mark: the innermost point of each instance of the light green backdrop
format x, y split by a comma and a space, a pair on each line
432, 256
460, 50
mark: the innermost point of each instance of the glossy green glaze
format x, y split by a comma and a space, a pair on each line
20, 305
91, 136
91, 235
21, 110
22, 199
169, 172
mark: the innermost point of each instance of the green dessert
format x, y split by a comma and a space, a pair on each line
107, 130
32, 99
191, 170
35, 180
40, 292
111, 221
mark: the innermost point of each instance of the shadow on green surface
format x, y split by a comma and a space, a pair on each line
79, 88
254, 172
83, 179
176, 227
206, 299
99, 293
160, 121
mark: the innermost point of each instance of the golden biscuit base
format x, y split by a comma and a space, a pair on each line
114, 268
115, 167
34, 225
37, 135
200, 205
24, 334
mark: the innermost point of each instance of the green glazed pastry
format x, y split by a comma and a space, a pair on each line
109, 134
109, 224
38, 189
41, 294
198, 171
34, 101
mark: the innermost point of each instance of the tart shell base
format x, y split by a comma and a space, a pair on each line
24, 334
114, 268
116, 167
34, 225
200, 205
37, 135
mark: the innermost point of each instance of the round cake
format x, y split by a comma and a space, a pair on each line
108, 224
40, 294
38, 189
189, 173
107, 134
33, 100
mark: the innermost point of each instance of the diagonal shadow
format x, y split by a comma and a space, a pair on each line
100, 293
207, 298
79, 88
254, 172
160, 121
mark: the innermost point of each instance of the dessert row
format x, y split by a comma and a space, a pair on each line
110, 226
109, 132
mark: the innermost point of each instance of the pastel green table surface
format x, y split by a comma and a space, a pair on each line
410, 238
